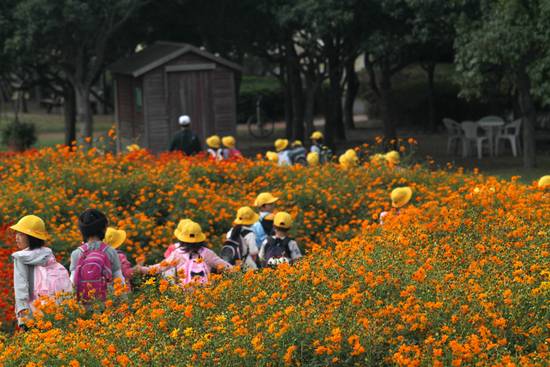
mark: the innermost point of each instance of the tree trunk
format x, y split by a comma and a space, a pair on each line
390, 131
430, 70
84, 112
334, 122
529, 120
297, 95
289, 111
70, 115
309, 110
352, 89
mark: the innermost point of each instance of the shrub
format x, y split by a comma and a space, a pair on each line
272, 97
19, 136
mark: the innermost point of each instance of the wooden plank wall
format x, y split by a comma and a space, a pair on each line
158, 131
225, 103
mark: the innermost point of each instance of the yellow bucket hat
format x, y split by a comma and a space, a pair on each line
264, 198
190, 233
229, 142
393, 157
178, 232
246, 216
347, 161
377, 158
316, 135
115, 237
351, 153
313, 158
213, 141
272, 157
401, 196
133, 148
31, 225
282, 220
544, 181
296, 143
281, 144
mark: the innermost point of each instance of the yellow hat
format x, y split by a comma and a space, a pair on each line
133, 148
347, 161
246, 216
281, 144
316, 135
272, 157
264, 198
392, 157
31, 225
282, 220
350, 153
229, 142
191, 233
544, 181
377, 158
178, 232
114, 237
313, 158
296, 143
213, 141
401, 196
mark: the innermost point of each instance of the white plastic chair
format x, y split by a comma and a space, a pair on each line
454, 132
491, 118
471, 136
510, 132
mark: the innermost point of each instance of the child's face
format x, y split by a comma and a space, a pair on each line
280, 232
268, 208
21, 240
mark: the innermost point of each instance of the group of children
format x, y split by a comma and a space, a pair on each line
254, 241
222, 148
288, 154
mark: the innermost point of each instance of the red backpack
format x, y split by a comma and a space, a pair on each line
93, 273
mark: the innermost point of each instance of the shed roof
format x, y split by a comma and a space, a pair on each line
160, 53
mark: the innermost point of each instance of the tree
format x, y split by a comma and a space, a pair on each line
508, 41
75, 34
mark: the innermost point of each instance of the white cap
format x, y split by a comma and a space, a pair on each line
184, 120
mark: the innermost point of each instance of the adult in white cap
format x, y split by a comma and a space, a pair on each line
185, 140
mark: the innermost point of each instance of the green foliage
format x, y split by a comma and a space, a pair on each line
272, 97
20, 135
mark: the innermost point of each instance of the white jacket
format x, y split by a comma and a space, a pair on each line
23, 274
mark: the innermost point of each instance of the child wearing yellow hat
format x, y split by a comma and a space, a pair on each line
272, 157
191, 261
280, 248
240, 244
30, 267
400, 197
115, 238
281, 147
325, 153
229, 150
214, 150
544, 182
265, 203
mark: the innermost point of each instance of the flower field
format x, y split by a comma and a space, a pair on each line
459, 278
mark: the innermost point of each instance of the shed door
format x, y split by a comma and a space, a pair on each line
190, 93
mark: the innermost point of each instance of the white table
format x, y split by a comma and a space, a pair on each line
492, 127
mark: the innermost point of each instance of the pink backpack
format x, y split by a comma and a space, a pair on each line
126, 267
51, 279
93, 273
191, 265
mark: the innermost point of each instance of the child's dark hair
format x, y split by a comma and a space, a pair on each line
92, 223
188, 247
34, 242
285, 230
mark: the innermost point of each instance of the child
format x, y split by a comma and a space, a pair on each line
182, 223
265, 202
544, 181
281, 146
297, 154
32, 265
241, 240
392, 157
115, 238
214, 147
280, 248
191, 259
325, 153
229, 151
272, 157
94, 265
400, 197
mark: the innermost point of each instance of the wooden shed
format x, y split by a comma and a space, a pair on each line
155, 86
